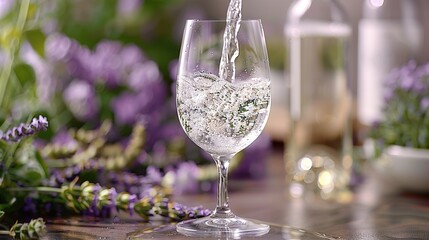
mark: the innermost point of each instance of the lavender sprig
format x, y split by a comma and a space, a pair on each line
35, 229
91, 150
93, 198
22, 130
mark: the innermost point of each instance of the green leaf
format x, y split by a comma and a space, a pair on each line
25, 74
1, 214
37, 38
3, 146
33, 176
42, 164
6, 200
2, 175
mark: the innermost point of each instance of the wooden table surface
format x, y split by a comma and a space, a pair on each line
373, 214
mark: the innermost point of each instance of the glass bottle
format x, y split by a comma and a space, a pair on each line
319, 144
390, 34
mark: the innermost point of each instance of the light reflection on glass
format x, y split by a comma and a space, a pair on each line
306, 163
376, 3
309, 177
325, 178
320, 175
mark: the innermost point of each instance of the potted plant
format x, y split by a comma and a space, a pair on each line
401, 140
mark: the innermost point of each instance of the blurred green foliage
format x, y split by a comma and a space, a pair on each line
17, 79
149, 26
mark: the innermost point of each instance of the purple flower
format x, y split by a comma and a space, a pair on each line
407, 82
186, 178
132, 199
153, 176
39, 124
145, 75
93, 208
64, 139
57, 179
5, 7
109, 197
129, 109
79, 64
152, 98
125, 108
106, 66
409, 78
254, 162
126, 7
181, 211
173, 69
29, 205
72, 172
17, 133
424, 104
131, 56
172, 131
80, 98
59, 47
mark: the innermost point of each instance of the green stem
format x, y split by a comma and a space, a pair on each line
4, 78
36, 189
4, 232
57, 164
20, 23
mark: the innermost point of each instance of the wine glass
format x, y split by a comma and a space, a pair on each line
223, 115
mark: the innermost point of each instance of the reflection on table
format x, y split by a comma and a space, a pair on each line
374, 213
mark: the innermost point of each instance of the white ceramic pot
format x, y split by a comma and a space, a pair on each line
407, 168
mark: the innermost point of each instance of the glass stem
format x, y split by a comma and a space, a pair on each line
222, 209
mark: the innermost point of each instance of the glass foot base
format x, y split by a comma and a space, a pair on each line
231, 227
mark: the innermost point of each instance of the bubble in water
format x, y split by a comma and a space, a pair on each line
219, 114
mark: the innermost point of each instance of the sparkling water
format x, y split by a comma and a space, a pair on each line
222, 117
230, 49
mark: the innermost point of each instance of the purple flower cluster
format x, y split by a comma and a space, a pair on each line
181, 179
133, 183
24, 130
183, 211
184, 178
111, 66
164, 207
409, 78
